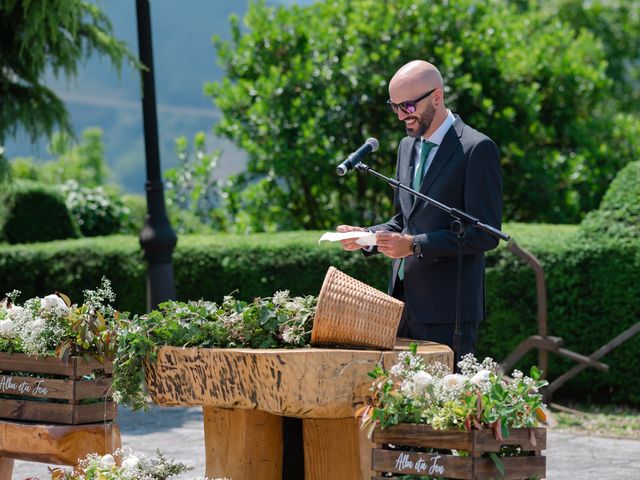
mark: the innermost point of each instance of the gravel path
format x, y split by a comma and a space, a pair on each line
178, 433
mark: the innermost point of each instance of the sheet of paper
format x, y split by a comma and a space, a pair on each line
363, 238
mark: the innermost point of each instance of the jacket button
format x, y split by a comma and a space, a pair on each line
411, 223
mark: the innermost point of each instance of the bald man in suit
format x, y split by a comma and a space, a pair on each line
454, 164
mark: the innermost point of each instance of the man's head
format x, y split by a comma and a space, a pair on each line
417, 97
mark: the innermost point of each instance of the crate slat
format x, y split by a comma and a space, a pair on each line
18, 362
50, 388
516, 468
485, 440
97, 388
36, 411
423, 436
415, 463
94, 412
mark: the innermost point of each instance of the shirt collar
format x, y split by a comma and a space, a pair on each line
437, 136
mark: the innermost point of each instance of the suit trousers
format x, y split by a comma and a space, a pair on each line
440, 333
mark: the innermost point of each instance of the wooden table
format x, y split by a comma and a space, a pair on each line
245, 393
50, 443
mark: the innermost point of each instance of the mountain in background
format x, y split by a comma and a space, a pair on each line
184, 59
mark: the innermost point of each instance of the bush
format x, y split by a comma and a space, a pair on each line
592, 287
619, 214
136, 207
32, 212
95, 211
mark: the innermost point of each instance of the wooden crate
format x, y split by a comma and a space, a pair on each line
391, 456
49, 390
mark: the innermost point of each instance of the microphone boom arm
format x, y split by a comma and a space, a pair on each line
458, 214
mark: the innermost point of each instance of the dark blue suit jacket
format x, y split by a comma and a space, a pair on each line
465, 174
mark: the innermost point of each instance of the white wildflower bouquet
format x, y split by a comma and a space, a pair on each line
124, 464
52, 325
478, 397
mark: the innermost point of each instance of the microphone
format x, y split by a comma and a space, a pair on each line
370, 145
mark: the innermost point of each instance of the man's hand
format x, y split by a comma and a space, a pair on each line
394, 245
350, 244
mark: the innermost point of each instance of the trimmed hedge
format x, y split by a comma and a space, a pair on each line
618, 216
593, 288
34, 212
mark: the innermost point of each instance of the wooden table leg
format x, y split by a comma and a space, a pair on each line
331, 449
6, 468
242, 444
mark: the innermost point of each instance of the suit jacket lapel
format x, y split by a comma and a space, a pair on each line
449, 144
405, 172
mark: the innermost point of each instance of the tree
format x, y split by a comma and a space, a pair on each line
306, 85
84, 163
41, 35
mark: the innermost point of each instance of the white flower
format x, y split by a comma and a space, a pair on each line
422, 379
407, 388
130, 463
6, 327
37, 325
453, 381
54, 302
481, 377
15, 311
107, 461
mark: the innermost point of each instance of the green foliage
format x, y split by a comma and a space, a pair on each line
476, 398
33, 212
192, 187
136, 206
84, 163
592, 286
616, 24
56, 36
619, 213
278, 321
305, 85
95, 211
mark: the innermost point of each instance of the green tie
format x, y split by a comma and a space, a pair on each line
417, 182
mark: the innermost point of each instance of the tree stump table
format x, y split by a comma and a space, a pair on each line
245, 394
57, 444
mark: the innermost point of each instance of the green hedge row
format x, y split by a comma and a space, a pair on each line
593, 288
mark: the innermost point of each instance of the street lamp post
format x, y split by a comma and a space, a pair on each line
157, 238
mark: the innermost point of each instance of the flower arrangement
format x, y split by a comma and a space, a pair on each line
123, 465
278, 321
478, 397
54, 326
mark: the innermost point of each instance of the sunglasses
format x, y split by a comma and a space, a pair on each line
408, 107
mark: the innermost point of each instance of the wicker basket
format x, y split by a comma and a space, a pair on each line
352, 313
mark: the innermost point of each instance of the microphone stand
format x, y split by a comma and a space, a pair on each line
459, 225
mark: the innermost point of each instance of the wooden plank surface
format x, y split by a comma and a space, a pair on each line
27, 410
57, 444
97, 388
75, 367
516, 468
414, 463
331, 449
35, 387
423, 436
303, 383
18, 362
6, 468
529, 439
242, 444
419, 435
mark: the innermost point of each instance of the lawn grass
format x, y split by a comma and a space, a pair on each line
598, 420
